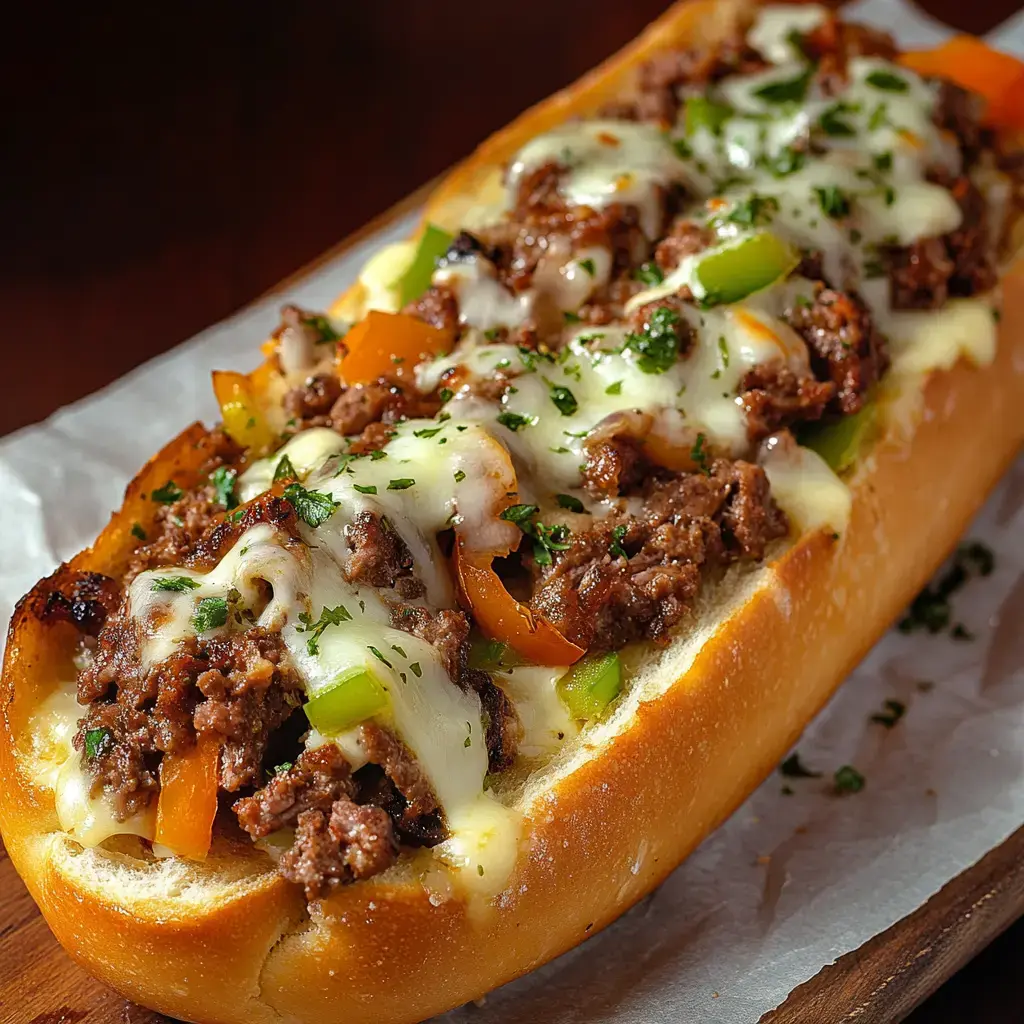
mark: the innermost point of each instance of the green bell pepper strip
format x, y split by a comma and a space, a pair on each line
732, 273
839, 443
493, 655
415, 281
591, 685
352, 698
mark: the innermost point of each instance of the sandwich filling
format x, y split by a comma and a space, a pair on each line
419, 541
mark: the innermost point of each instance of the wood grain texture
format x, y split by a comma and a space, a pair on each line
167, 166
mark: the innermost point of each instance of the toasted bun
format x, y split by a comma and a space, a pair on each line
228, 941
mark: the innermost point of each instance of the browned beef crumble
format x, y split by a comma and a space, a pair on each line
438, 307
686, 238
378, 556
843, 345
311, 403
773, 396
688, 525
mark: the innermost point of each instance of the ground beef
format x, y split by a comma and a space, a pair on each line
438, 307
639, 319
235, 686
834, 42
843, 344
958, 110
774, 396
384, 748
84, 599
686, 238
311, 403
614, 462
688, 525
380, 402
962, 263
299, 337
378, 557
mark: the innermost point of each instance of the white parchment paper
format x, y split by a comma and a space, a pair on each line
790, 882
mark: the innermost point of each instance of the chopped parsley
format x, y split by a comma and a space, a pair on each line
886, 81
280, 769
546, 539
211, 613
98, 742
323, 327
366, 488
649, 273
401, 484
614, 388
879, 117
314, 508
833, 201
168, 494
284, 470
932, 610
754, 211
723, 351
459, 475
704, 113
788, 90
882, 161
570, 317
588, 266
514, 420
794, 768
616, 548
700, 455
787, 161
894, 711
178, 584
519, 514
848, 780
564, 400
445, 394
380, 657
223, 480
427, 432
833, 123
657, 345
138, 531
530, 357
328, 617
414, 668
569, 502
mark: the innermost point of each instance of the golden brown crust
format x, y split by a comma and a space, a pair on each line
606, 834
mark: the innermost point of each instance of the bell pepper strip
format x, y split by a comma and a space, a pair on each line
591, 685
389, 345
432, 245
492, 655
187, 803
353, 697
239, 410
501, 617
967, 61
732, 273
839, 443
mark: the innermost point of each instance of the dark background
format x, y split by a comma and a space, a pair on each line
163, 165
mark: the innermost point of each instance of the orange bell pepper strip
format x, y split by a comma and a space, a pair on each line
187, 803
969, 62
243, 419
389, 345
501, 617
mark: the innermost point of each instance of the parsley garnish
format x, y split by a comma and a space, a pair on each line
328, 617
459, 476
649, 273
427, 432
138, 531
98, 742
878, 118
616, 548
284, 470
754, 211
314, 508
280, 769
832, 122
657, 346
445, 394
682, 148
588, 266
787, 161
564, 400
211, 613
519, 514
323, 327
932, 609
380, 657
883, 161
700, 455
529, 357
886, 81
414, 668
848, 779
514, 420
569, 502
365, 488
545, 538
833, 201
793, 768
571, 318
789, 90
179, 584
723, 351
223, 480
614, 389
894, 711
168, 494
401, 484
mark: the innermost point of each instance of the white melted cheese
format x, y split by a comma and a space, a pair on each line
542, 713
608, 162
307, 450
483, 302
772, 33
806, 489
925, 340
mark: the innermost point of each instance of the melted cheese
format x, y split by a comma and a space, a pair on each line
804, 486
772, 33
